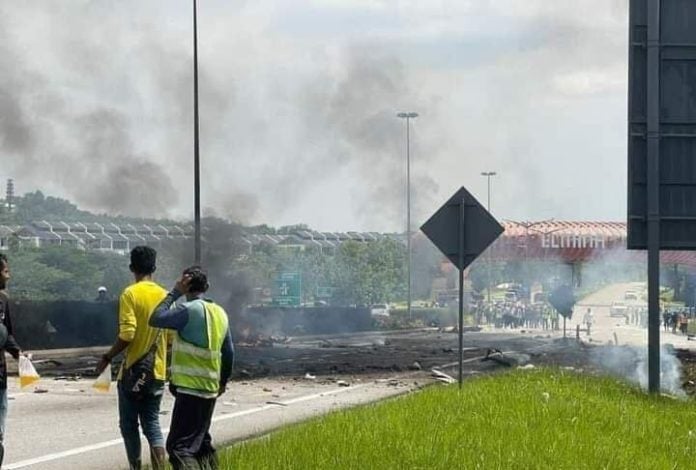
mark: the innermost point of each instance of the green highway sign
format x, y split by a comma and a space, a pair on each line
324, 292
287, 289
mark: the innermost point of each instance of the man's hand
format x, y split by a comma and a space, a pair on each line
183, 283
103, 363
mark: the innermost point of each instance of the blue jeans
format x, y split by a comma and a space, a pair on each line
3, 417
144, 411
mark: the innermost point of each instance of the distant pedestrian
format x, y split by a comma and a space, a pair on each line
202, 359
7, 343
102, 295
145, 353
588, 319
683, 323
665, 320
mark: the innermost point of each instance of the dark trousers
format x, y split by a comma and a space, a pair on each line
189, 443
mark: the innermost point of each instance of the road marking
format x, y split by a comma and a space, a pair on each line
113, 442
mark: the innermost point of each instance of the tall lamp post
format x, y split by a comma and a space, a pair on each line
408, 117
196, 147
489, 175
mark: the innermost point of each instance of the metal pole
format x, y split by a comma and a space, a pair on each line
196, 147
408, 208
488, 175
489, 254
653, 189
461, 290
408, 117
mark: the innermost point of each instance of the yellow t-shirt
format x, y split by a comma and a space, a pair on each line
135, 307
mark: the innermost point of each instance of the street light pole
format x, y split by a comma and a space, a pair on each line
196, 146
488, 175
408, 117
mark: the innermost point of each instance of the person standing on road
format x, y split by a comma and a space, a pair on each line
202, 360
588, 320
138, 339
7, 343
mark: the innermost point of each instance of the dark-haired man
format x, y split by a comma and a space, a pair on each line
136, 338
7, 343
202, 358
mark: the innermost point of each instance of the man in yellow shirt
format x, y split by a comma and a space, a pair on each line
136, 338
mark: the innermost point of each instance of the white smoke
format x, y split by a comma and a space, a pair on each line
631, 364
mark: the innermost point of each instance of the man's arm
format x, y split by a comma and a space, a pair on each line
165, 316
11, 345
227, 361
127, 323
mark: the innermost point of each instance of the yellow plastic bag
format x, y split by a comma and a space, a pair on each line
103, 382
27, 373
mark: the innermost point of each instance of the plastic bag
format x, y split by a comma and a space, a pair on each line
27, 373
103, 382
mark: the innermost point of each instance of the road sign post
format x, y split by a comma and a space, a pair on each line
462, 229
460, 329
661, 143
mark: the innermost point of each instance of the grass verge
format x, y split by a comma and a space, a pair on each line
537, 419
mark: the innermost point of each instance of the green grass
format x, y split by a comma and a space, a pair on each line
495, 422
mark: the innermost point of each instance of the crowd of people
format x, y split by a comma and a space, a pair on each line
678, 320
516, 315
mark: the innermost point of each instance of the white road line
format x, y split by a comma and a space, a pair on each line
113, 442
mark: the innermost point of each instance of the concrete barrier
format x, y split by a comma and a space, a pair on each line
80, 324
64, 324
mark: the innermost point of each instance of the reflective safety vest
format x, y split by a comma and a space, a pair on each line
198, 368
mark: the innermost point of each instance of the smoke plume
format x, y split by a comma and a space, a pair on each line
298, 106
631, 364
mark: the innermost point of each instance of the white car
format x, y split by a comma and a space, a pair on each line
618, 309
380, 310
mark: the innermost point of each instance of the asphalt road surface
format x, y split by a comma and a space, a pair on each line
65, 424
609, 329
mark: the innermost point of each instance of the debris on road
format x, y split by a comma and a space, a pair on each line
276, 403
442, 377
40, 390
69, 378
342, 383
507, 359
309, 376
416, 366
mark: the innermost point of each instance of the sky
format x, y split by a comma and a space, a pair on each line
299, 102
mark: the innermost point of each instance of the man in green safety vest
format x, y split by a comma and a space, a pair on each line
201, 365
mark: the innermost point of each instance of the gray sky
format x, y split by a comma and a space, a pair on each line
299, 101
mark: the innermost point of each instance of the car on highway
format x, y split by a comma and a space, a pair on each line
630, 295
511, 296
618, 309
380, 310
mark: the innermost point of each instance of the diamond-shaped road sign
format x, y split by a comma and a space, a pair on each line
480, 228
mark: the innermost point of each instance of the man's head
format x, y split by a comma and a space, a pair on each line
198, 280
4, 271
143, 260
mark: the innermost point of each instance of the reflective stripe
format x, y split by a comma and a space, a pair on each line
187, 348
195, 372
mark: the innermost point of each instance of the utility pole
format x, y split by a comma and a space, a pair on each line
488, 175
408, 117
196, 146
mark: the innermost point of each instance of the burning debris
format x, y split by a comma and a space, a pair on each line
509, 359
